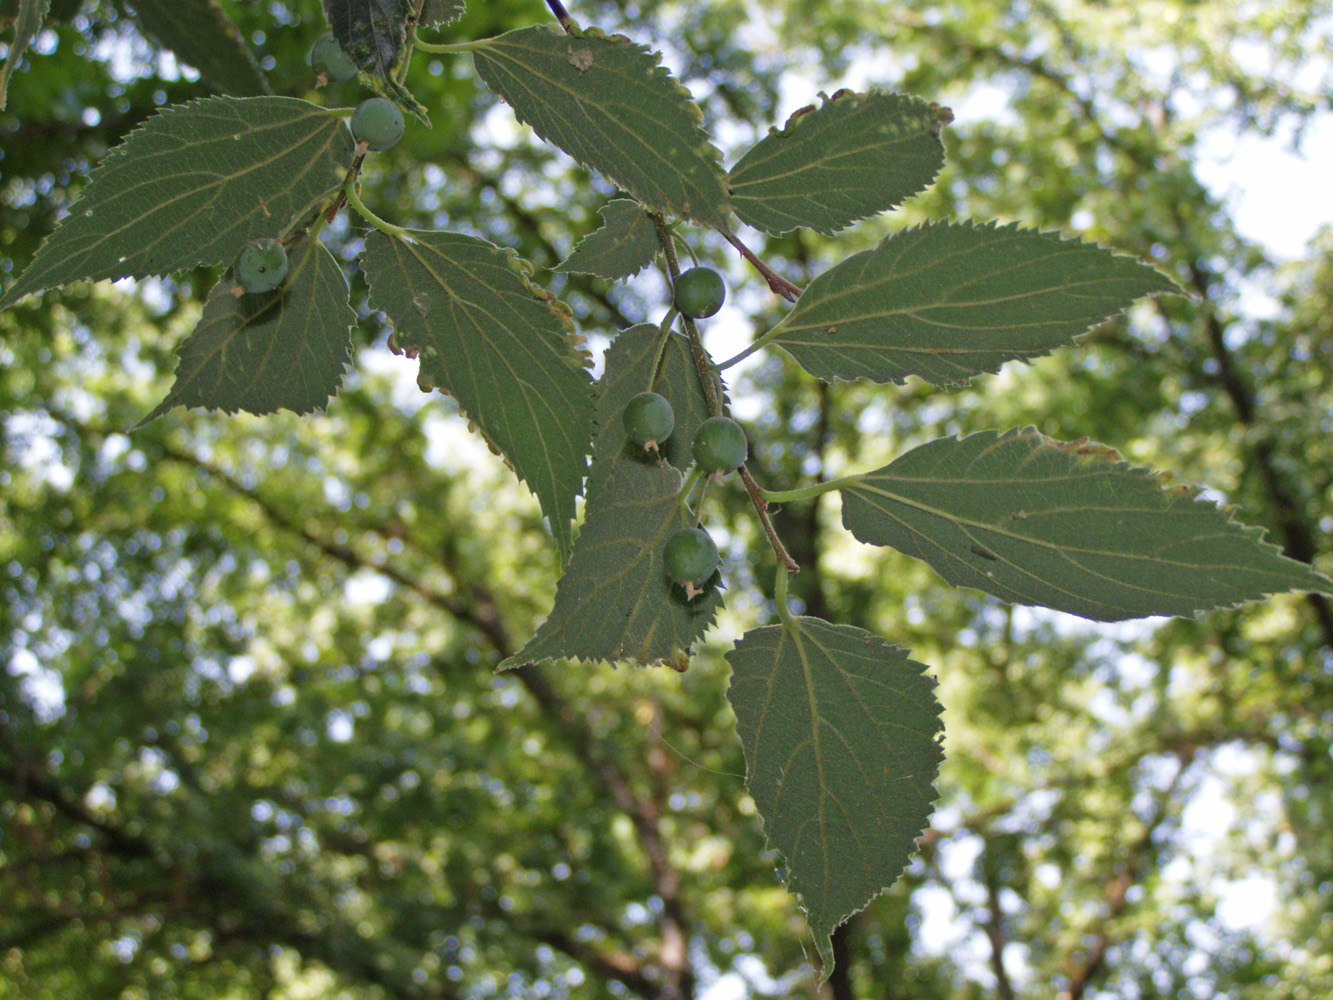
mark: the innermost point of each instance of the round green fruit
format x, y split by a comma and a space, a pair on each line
720, 445
377, 122
691, 559
700, 292
261, 266
649, 420
330, 60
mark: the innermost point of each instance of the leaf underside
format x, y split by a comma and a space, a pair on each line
192, 187
371, 32
841, 737
610, 105
437, 13
487, 337
31, 14
854, 156
947, 301
624, 245
1068, 526
615, 602
200, 34
285, 349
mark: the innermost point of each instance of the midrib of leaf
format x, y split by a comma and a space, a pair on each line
1062, 550
798, 634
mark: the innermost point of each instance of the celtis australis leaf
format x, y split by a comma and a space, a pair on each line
950, 300
624, 246
610, 105
853, 156
193, 186
615, 602
285, 349
498, 345
200, 34
841, 737
1068, 526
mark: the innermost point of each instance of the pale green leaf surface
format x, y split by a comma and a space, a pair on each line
853, 156
841, 737
285, 349
1067, 526
200, 34
499, 346
27, 23
609, 104
437, 13
624, 245
615, 602
192, 187
947, 301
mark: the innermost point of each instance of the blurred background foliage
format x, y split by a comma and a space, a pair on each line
251, 744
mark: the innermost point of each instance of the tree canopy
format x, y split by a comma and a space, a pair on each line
252, 738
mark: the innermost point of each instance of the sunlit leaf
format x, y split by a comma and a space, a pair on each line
947, 301
27, 23
193, 186
609, 103
285, 349
853, 156
502, 348
841, 737
614, 602
1068, 526
200, 34
624, 246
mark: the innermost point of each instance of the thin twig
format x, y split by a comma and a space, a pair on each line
706, 370
770, 532
780, 285
561, 15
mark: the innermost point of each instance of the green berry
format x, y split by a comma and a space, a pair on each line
330, 59
691, 559
649, 420
261, 266
700, 292
377, 122
720, 445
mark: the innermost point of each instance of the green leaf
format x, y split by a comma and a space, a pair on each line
27, 23
841, 737
372, 32
854, 156
1065, 525
624, 246
201, 35
641, 359
947, 301
609, 104
503, 348
614, 602
285, 349
193, 186
437, 13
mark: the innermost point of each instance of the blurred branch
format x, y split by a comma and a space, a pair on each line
596, 756
1143, 851
994, 928
481, 615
